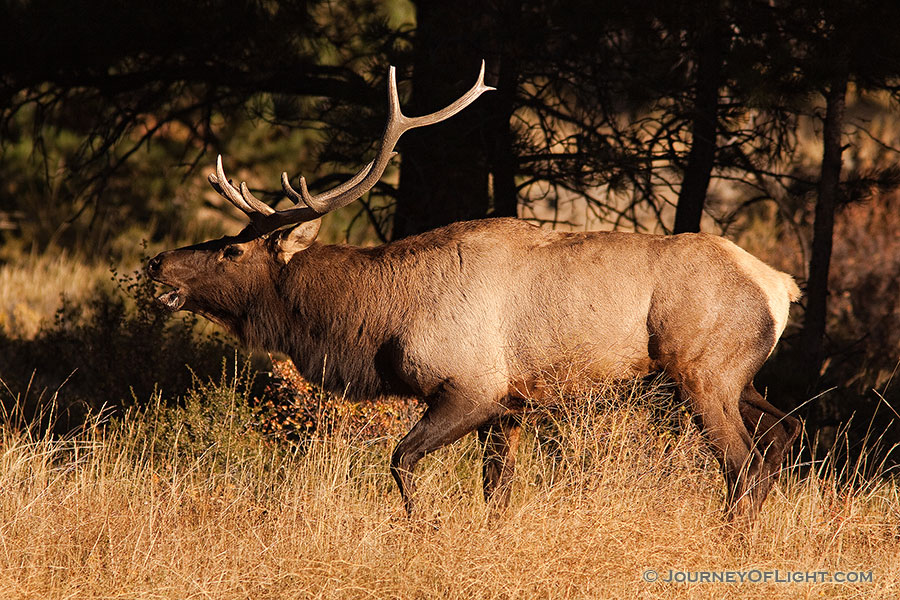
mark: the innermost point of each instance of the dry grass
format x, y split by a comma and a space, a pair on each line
31, 286
135, 510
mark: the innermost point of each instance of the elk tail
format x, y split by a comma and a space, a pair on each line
793, 291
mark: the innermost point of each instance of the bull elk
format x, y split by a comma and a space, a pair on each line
475, 317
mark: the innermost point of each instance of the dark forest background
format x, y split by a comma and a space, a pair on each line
772, 122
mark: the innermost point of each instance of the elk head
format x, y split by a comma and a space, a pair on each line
223, 279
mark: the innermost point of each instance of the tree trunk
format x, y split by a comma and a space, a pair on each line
823, 228
446, 168
501, 157
703, 128
444, 173
501, 104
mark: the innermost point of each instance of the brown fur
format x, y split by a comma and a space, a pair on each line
478, 316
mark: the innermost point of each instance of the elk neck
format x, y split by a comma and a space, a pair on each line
322, 310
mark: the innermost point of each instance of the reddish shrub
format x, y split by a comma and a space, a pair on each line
294, 408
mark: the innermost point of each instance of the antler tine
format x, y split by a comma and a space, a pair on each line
445, 113
225, 189
397, 125
265, 219
297, 197
242, 199
258, 205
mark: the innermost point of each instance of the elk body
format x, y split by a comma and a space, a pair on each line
478, 318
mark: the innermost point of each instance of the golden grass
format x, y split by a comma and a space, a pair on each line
31, 286
124, 512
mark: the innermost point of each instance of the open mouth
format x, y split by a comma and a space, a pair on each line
173, 300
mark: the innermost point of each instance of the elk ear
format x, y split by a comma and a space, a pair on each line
294, 240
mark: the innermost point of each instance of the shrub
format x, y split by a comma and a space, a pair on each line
111, 350
216, 423
292, 408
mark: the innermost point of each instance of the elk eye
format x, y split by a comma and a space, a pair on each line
232, 252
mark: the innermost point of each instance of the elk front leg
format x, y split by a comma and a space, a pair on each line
447, 419
500, 440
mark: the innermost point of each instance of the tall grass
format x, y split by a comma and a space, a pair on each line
31, 287
111, 343
193, 502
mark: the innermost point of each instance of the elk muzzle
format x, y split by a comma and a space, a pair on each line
172, 300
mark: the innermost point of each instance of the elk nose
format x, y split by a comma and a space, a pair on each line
153, 266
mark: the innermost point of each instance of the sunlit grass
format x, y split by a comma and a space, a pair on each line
157, 506
31, 287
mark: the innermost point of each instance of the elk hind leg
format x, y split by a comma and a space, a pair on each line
773, 432
500, 440
722, 423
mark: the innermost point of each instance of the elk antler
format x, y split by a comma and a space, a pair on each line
266, 219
